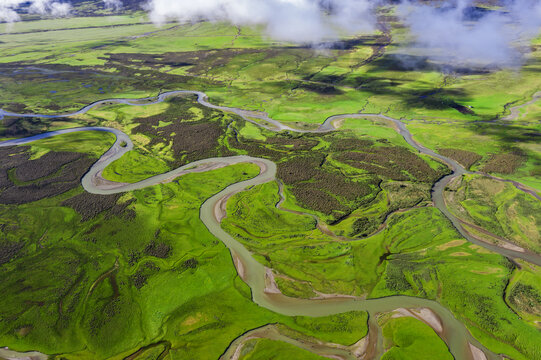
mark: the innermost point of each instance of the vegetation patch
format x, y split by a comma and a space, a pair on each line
507, 163
346, 328
23, 180
526, 298
263, 349
409, 338
395, 163
321, 190
9, 250
90, 205
497, 207
294, 288
158, 249
69, 285
463, 157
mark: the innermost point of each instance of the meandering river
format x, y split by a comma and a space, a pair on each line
455, 334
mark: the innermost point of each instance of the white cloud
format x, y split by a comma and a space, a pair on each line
446, 34
7, 12
440, 28
113, 4
301, 21
49, 7
58, 9
44, 7
8, 15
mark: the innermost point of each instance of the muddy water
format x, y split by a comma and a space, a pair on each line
14, 355
455, 334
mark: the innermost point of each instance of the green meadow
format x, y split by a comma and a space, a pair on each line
516, 217
409, 338
261, 349
139, 276
144, 263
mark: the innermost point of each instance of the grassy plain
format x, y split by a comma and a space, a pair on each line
498, 207
346, 328
263, 349
134, 167
409, 338
417, 254
491, 141
79, 267
88, 142
523, 294
144, 262
124, 57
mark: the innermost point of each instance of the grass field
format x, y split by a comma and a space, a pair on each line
144, 262
417, 254
357, 218
523, 294
409, 338
262, 349
499, 208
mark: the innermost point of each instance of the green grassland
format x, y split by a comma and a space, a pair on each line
163, 135
79, 267
88, 142
260, 204
281, 79
72, 23
523, 294
385, 264
499, 208
263, 349
144, 262
92, 306
490, 141
530, 113
346, 328
134, 167
292, 84
409, 338
417, 254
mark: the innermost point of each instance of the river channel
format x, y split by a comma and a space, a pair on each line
455, 334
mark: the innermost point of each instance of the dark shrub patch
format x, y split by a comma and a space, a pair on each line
190, 263
139, 279
284, 142
62, 172
159, 250
321, 89
90, 205
526, 298
395, 163
316, 188
191, 140
363, 227
300, 168
504, 163
350, 144
46, 165
315, 199
465, 158
9, 251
